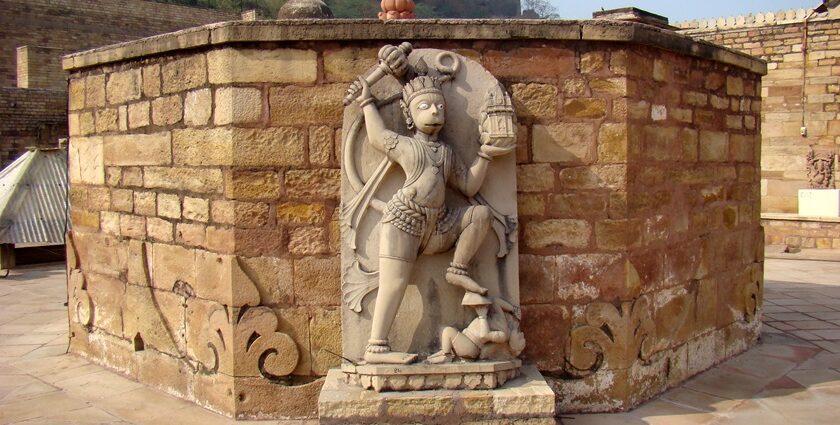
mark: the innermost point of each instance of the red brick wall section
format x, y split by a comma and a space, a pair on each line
40, 68
75, 25
783, 148
30, 117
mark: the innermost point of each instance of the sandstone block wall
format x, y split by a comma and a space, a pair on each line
795, 91
204, 199
819, 233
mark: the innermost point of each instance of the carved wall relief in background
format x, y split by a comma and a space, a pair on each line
821, 169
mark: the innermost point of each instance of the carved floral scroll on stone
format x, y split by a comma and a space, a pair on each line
617, 337
429, 212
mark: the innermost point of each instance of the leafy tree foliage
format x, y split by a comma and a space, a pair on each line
542, 8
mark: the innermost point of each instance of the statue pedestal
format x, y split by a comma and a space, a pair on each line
819, 202
526, 399
486, 375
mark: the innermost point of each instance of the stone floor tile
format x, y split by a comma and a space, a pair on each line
823, 360
602, 419
806, 335
816, 378
812, 324
38, 407
826, 315
697, 400
830, 346
17, 350
34, 389
98, 386
142, 405
787, 316
833, 334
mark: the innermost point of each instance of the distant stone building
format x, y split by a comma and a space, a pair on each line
34, 34
799, 109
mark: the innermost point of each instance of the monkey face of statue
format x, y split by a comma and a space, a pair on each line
428, 112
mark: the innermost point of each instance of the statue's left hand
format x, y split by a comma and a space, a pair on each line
496, 146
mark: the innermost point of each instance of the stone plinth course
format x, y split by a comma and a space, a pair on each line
205, 184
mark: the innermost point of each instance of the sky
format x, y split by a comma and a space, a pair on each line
677, 11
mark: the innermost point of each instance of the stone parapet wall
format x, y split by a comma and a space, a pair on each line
204, 200
793, 95
801, 232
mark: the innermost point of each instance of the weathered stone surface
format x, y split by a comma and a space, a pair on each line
143, 315
613, 143
236, 105
86, 163
198, 105
76, 94
300, 213
252, 185
570, 233
189, 179
535, 178
167, 110
529, 63
219, 278
139, 114
220, 239
234, 65
107, 294
172, 264
169, 205
272, 277
151, 81
274, 147
570, 143
535, 100
714, 146
191, 234
122, 200
158, 229
132, 226
138, 149
292, 105
595, 177
196, 209
184, 74
123, 86
325, 339
347, 64
95, 91
321, 139
317, 281
319, 183
308, 240
106, 120
145, 203
585, 108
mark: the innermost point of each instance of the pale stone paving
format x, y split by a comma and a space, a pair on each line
792, 377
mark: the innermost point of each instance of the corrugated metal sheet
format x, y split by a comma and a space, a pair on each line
33, 198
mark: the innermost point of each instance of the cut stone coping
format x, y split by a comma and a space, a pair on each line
445, 29
797, 217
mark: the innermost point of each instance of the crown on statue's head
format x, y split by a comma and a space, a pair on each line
421, 85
